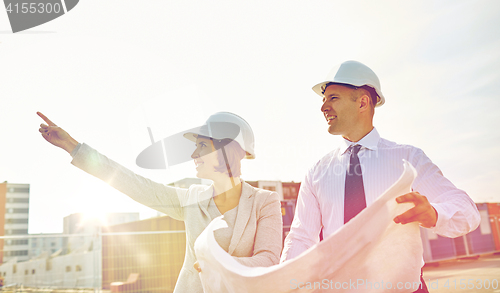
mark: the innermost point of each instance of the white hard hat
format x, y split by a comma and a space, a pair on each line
352, 73
176, 149
224, 125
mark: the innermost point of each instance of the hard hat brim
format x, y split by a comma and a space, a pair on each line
318, 89
178, 148
218, 130
193, 135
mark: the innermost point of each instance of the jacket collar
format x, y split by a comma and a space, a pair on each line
204, 199
245, 208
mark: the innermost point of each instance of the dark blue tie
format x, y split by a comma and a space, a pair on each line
354, 197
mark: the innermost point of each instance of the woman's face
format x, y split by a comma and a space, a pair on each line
205, 158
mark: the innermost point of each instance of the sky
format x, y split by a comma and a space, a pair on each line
107, 70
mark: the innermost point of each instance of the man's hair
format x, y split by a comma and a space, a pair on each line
234, 155
372, 94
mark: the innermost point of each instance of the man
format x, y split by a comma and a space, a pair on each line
353, 175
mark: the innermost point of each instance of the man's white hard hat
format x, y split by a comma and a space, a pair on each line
224, 125
352, 73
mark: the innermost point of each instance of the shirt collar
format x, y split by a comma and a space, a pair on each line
369, 141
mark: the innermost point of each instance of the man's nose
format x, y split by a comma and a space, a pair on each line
324, 108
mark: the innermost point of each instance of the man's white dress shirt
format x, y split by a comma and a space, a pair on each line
320, 204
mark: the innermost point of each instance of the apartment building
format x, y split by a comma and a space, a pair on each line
14, 214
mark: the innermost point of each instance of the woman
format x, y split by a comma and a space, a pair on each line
254, 232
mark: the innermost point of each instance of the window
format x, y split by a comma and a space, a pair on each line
16, 221
33, 271
16, 253
18, 200
17, 211
23, 200
78, 268
484, 225
17, 241
17, 232
271, 188
19, 190
68, 269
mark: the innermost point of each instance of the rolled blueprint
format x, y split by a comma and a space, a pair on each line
368, 254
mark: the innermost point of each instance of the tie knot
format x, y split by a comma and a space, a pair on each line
355, 149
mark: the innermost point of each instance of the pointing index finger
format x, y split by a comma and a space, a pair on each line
47, 120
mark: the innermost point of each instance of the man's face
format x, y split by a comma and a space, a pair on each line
340, 110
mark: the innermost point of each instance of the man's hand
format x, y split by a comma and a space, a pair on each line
423, 212
56, 135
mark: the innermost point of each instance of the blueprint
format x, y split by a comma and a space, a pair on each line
369, 254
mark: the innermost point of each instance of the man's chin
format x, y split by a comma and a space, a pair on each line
333, 131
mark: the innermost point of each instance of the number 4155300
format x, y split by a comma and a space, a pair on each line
34, 8
472, 284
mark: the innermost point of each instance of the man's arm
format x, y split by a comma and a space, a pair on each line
455, 212
306, 225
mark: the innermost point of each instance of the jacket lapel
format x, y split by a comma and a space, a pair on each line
204, 199
245, 207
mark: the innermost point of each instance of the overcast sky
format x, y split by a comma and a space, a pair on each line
107, 70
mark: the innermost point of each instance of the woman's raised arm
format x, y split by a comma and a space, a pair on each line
56, 135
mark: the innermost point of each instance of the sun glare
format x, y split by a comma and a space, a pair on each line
94, 217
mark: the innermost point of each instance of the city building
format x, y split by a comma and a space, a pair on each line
14, 214
153, 248
285, 190
40, 243
290, 190
84, 227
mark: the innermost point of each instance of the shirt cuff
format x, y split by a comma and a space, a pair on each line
441, 219
75, 150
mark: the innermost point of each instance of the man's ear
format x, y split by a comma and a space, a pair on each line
364, 103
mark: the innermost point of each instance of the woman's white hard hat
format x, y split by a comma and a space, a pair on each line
176, 149
224, 125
